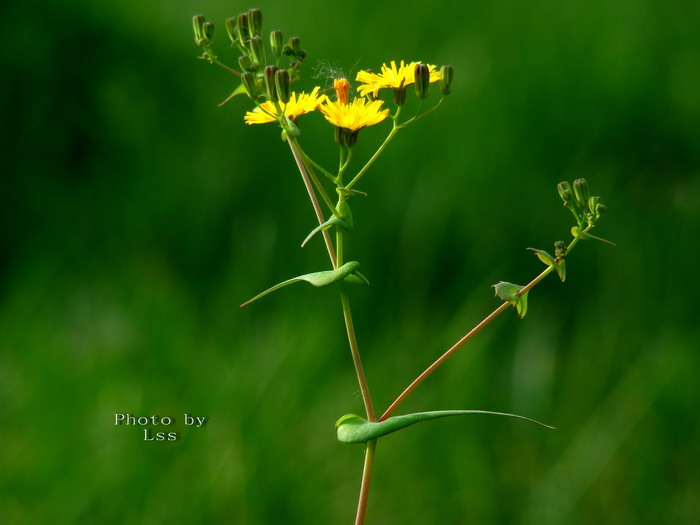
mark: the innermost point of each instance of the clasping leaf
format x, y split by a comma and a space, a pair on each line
320, 279
559, 265
511, 293
352, 428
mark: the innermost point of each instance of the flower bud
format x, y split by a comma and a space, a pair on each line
345, 137
245, 63
243, 32
581, 192
255, 22
559, 249
248, 80
422, 83
593, 201
295, 45
599, 211
270, 83
400, 94
282, 85
564, 189
198, 21
208, 30
256, 46
232, 29
276, 43
446, 74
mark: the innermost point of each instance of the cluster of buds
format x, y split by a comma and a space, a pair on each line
258, 78
585, 207
422, 80
203, 36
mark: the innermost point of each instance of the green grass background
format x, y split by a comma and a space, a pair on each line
136, 215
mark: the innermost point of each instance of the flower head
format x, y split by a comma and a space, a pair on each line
391, 77
354, 115
298, 105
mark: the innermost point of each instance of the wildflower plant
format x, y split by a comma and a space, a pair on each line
268, 76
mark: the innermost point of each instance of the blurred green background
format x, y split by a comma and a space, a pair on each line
136, 215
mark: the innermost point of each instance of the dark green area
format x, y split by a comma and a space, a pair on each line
136, 216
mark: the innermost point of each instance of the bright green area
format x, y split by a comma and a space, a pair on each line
136, 216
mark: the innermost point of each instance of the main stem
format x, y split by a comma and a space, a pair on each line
337, 261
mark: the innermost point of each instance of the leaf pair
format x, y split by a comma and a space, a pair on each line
510, 292
558, 263
352, 428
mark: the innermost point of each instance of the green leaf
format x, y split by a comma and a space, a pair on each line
356, 278
317, 279
240, 90
352, 428
578, 232
333, 221
511, 293
341, 218
547, 258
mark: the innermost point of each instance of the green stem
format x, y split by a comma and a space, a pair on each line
354, 350
388, 138
314, 200
487, 320
224, 66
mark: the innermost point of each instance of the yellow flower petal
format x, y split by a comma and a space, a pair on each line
298, 105
391, 77
356, 115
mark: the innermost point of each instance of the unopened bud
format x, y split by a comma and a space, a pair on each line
208, 30
593, 201
270, 83
243, 32
581, 192
256, 46
198, 21
248, 80
400, 94
232, 29
422, 83
446, 74
559, 249
282, 85
564, 189
276, 43
245, 63
255, 22
295, 45
599, 211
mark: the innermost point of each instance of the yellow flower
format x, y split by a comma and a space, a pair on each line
391, 77
298, 105
355, 115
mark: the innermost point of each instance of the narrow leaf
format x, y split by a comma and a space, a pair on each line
354, 429
577, 232
317, 279
333, 221
240, 90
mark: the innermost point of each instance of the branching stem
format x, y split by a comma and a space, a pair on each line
498, 311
